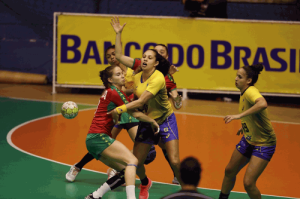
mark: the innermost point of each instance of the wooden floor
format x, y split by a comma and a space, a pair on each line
203, 134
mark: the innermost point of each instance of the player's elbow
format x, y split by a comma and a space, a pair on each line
263, 105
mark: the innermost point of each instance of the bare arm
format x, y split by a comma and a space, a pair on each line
260, 104
127, 61
139, 102
144, 118
176, 98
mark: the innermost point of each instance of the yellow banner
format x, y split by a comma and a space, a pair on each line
207, 52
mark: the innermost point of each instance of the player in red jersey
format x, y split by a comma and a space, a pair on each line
99, 142
127, 122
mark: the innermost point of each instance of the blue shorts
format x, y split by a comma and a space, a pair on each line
247, 150
168, 131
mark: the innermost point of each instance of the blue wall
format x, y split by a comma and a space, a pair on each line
26, 25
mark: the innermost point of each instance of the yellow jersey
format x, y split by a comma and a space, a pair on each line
129, 78
158, 107
257, 128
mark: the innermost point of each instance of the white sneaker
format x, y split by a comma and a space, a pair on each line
111, 173
71, 175
175, 181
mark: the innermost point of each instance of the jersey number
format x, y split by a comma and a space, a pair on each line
245, 128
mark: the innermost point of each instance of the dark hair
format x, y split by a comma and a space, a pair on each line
113, 46
253, 71
190, 171
163, 45
164, 65
105, 74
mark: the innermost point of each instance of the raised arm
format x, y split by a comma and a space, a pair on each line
127, 61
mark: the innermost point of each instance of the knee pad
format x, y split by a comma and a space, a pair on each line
151, 155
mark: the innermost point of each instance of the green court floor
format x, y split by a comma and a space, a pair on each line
26, 176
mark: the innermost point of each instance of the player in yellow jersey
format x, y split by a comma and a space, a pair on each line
258, 144
151, 96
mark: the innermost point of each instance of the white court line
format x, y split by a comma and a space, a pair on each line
186, 113
8, 138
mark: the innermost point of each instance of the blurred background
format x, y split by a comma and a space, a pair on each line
26, 26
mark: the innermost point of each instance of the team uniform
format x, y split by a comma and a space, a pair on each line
99, 135
170, 83
158, 108
259, 137
126, 120
186, 194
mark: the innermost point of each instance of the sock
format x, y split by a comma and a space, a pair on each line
116, 180
166, 156
145, 181
86, 159
130, 192
101, 191
223, 196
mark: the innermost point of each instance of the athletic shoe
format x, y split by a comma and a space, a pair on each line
144, 193
90, 196
71, 175
175, 181
111, 173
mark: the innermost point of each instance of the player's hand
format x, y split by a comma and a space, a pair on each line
229, 118
155, 127
240, 131
173, 69
177, 100
115, 116
116, 25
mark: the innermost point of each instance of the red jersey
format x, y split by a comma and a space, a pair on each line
170, 83
110, 99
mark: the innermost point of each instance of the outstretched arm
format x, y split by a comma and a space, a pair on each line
118, 28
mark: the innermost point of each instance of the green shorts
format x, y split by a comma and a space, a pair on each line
96, 143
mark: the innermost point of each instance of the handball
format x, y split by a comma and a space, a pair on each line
69, 110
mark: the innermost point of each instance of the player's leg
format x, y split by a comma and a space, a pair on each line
120, 153
114, 134
236, 163
163, 148
172, 148
260, 158
103, 147
111, 183
145, 138
255, 168
170, 138
140, 150
132, 129
115, 131
75, 169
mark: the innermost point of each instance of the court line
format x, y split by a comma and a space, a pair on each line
177, 112
8, 138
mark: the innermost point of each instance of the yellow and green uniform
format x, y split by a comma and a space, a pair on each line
257, 127
158, 107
